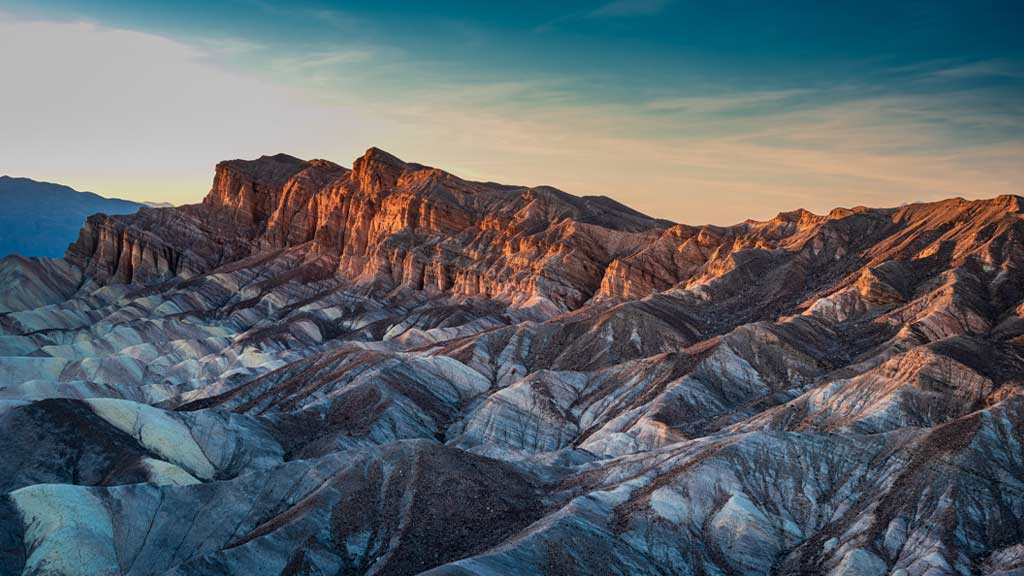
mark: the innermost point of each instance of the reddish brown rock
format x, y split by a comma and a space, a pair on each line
385, 221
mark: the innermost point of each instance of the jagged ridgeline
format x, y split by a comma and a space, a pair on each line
392, 370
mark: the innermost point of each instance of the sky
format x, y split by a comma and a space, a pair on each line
692, 111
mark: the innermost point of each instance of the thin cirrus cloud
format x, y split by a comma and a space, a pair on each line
621, 8
608, 11
726, 102
144, 116
981, 69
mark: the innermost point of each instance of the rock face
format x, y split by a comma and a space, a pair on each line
386, 222
391, 370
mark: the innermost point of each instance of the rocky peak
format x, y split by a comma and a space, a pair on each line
378, 170
1009, 202
317, 173
265, 169
798, 215
396, 223
249, 189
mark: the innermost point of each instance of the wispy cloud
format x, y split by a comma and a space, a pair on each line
981, 69
231, 47
623, 8
725, 102
610, 10
949, 69
335, 18
338, 19
326, 58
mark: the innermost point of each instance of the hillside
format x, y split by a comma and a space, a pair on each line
387, 369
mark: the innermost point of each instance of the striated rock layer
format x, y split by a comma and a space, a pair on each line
391, 370
386, 222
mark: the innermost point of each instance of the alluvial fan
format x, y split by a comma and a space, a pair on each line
391, 370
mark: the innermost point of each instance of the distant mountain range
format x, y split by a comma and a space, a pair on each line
42, 219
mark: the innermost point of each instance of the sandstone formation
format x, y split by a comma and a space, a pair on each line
391, 370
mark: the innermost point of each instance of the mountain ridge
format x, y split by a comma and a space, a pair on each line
391, 370
42, 218
291, 201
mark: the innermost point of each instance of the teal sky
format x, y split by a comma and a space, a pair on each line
680, 109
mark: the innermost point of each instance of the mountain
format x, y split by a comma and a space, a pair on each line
42, 219
391, 370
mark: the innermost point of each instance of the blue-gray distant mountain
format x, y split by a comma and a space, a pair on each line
42, 219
